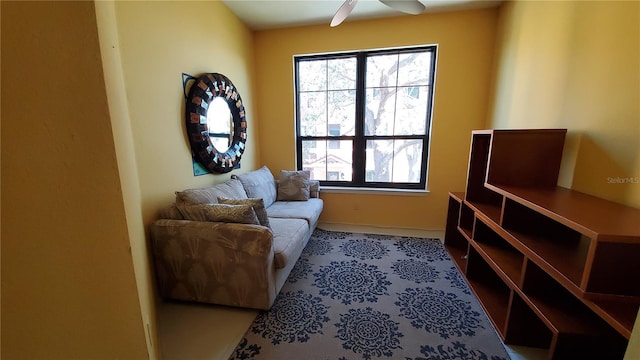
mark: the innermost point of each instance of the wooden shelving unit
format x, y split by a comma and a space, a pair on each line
553, 268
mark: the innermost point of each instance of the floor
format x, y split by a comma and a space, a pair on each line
209, 332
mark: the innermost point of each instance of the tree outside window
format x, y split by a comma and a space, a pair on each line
363, 118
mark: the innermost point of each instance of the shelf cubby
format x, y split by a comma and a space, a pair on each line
454, 242
569, 319
491, 211
490, 290
614, 263
553, 268
557, 306
465, 224
610, 237
562, 248
504, 257
524, 327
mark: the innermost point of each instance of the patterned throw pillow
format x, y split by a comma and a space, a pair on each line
242, 214
256, 203
294, 185
194, 212
231, 189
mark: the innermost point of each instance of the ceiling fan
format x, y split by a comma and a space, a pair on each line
413, 7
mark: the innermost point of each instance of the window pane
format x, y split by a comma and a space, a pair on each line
339, 160
381, 94
407, 161
389, 123
414, 68
314, 158
379, 156
328, 159
380, 111
313, 114
342, 112
393, 161
342, 74
382, 70
312, 75
411, 111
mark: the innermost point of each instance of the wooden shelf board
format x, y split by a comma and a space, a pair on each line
563, 319
584, 213
457, 195
465, 232
620, 315
508, 262
565, 261
494, 302
488, 210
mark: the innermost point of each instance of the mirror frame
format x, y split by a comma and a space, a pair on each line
206, 88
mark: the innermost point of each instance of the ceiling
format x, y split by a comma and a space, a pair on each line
270, 14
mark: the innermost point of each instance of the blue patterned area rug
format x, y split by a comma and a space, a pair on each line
359, 296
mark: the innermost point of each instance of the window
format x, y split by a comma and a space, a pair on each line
363, 118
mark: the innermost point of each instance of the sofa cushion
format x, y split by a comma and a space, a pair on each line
309, 210
256, 203
294, 185
230, 189
259, 184
243, 214
288, 240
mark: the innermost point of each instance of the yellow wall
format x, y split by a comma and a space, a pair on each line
576, 65
466, 47
88, 157
158, 42
68, 284
579, 71
146, 46
123, 140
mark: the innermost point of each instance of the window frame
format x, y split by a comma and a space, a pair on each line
359, 139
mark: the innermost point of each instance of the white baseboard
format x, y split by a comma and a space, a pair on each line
382, 230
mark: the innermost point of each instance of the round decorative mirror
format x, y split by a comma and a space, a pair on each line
216, 123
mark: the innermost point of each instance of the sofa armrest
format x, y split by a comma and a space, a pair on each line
213, 262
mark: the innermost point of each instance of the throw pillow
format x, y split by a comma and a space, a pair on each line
256, 203
231, 189
258, 184
242, 214
294, 185
314, 188
194, 212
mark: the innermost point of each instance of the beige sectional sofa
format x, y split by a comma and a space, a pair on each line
235, 243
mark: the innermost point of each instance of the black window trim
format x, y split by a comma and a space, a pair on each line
359, 139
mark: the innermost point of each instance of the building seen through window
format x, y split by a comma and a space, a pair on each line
363, 118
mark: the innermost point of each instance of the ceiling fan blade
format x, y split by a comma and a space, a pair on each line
343, 12
413, 7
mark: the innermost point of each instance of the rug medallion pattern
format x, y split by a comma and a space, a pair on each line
363, 296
